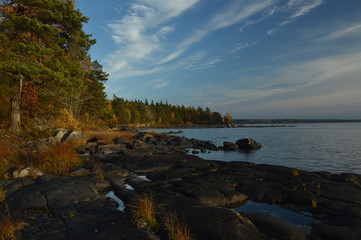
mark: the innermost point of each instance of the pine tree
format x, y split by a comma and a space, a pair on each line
42, 42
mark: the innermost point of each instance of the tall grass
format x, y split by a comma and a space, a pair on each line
59, 159
177, 227
9, 225
144, 213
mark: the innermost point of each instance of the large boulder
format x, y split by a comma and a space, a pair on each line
248, 144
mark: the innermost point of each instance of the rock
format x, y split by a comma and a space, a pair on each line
64, 135
274, 228
79, 171
248, 144
203, 144
27, 172
94, 140
207, 222
74, 135
59, 134
140, 145
212, 192
229, 146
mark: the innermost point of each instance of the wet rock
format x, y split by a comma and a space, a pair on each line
248, 144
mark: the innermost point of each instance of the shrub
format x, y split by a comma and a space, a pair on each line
59, 159
144, 213
177, 227
67, 120
9, 225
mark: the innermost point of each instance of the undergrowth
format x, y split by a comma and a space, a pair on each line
59, 159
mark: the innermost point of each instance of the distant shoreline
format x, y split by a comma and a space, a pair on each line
273, 121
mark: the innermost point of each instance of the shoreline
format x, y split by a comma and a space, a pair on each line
197, 189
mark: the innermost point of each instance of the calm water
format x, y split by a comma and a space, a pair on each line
333, 147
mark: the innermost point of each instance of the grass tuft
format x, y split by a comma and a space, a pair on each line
295, 172
59, 159
9, 226
314, 203
144, 213
177, 227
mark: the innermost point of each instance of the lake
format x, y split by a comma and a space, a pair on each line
333, 147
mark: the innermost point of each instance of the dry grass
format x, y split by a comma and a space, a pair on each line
10, 156
59, 159
99, 172
295, 172
144, 213
9, 226
108, 135
314, 203
177, 227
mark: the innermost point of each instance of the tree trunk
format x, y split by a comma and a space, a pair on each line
15, 117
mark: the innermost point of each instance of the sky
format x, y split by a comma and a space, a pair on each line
249, 58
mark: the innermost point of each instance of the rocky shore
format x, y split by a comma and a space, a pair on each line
204, 192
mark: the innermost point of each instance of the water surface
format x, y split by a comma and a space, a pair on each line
333, 147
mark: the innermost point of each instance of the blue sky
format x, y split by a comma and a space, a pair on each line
250, 58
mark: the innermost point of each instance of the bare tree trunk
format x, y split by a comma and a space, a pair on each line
15, 117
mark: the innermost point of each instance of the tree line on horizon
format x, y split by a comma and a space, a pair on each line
159, 113
47, 76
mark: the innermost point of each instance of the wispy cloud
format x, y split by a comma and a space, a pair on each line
345, 31
240, 46
295, 9
234, 13
138, 34
158, 83
298, 79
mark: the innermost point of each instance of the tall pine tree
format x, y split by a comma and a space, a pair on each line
42, 41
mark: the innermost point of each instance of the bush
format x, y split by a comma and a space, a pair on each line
59, 159
67, 120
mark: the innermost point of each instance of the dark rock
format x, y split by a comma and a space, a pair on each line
207, 222
274, 228
94, 140
229, 146
212, 192
248, 144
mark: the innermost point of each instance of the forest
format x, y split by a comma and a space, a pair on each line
48, 79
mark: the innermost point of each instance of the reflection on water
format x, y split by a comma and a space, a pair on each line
333, 147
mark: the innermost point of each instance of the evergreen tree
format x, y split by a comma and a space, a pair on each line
42, 41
